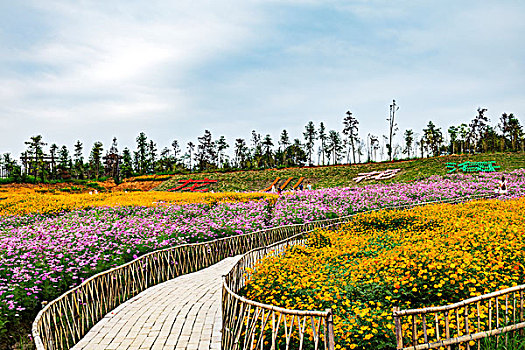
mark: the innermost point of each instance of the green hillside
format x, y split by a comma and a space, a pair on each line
342, 175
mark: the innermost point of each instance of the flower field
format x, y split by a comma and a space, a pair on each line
51, 242
28, 201
427, 256
306, 206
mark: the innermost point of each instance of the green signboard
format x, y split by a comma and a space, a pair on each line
473, 167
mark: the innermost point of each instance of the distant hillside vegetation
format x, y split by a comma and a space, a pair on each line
342, 175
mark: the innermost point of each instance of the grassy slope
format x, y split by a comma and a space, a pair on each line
342, 176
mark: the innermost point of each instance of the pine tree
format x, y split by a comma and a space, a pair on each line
256, 149
453, 133
112, 161
176, 150
126, 167
165, 160
284, 142
205, 151
152, 156
95, 159
53, 153
309, 136
322, 137
433, 138
141, 154
373, 147
221, 145
240, 151
335, 145
267, 144
478, 129
295, 154
79, 161
512, 130
64, 159
409, 139
464, 135
350, 130
191, 148
35, 153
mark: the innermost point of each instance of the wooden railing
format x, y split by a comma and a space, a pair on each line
65, 320
462, 323
248, 324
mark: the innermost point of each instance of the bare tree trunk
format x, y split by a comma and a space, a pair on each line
353, 150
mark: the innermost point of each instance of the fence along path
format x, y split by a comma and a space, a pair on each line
182, 313
467, 321
252, 325
65, 320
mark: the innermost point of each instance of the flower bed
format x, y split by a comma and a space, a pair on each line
428, 256
26, 201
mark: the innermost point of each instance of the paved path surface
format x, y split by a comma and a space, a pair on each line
183, 313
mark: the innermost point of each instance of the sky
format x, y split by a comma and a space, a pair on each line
94, 70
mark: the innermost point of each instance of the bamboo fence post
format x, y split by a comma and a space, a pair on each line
330, 324
438, 336
458, 328
497, 312
490, 314
398, 328
506, 318
414, 330
447, 328
424, 320
513, 308
479, 323
497, 320
467, 330
521, 310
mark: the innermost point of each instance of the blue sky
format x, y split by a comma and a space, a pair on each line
92, 70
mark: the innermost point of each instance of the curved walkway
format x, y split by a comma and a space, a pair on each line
183, 313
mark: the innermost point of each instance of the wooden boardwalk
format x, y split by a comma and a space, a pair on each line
183, 313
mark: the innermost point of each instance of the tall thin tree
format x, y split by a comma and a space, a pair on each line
409, 139
35, 152
350, 129
240, 151
321, 135
284, 142
221, 146
267, 144
309, 136
95, 159
191, 148
78, 160
142, 153
392, 126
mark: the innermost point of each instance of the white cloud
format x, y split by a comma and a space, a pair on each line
111, 62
